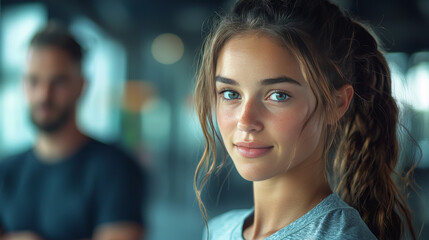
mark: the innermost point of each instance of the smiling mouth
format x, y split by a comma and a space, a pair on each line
252, 150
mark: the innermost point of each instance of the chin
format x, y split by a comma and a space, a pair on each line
255, 173
50, 126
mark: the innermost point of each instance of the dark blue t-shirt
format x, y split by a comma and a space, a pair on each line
67, 200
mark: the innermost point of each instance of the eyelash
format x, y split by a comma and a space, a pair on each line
222, 91
288, 96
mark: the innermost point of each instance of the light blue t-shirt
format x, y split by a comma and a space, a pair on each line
331, 219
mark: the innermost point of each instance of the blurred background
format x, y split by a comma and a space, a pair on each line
140, 61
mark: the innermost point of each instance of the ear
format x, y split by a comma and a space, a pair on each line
343, 97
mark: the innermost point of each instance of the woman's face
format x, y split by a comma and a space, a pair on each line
263, 103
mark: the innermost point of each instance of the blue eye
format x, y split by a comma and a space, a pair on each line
279, 97
230, 95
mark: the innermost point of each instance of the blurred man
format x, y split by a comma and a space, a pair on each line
68, 186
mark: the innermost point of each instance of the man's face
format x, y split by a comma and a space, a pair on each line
53, 83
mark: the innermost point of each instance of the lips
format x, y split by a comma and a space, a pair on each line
252, 149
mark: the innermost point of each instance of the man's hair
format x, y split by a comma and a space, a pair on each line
53, 35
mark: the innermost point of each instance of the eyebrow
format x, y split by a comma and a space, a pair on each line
226, 80
268, 81
282, 79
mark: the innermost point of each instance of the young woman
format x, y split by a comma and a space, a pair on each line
290, 81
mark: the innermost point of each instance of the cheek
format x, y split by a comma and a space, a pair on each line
288, 124
224, 119
65, 95
28, 94
62, 95
310, 137
293, 134
33, 95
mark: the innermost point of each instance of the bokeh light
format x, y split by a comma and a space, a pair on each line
418, 78
167, 48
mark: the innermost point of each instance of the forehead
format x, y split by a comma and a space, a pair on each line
49, 58
257, 56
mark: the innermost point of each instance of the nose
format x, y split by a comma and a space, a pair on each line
44, 92
249, 120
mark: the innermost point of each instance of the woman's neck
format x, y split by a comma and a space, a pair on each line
282, 200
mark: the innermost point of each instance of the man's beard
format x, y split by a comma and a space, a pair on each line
55, 124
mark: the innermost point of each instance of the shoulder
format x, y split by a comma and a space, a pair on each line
109, 156
233, 216
11, 162
16, 156
343, 223
224, 225
107, 149
106, 160
331, 219
338, 220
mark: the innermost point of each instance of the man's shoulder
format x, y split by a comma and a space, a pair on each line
107, 149
109, 158
108, 152
15, 158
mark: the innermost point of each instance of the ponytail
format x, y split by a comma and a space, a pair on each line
368, 150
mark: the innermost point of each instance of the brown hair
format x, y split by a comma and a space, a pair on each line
333, 50
55, 35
